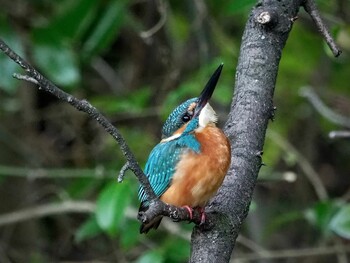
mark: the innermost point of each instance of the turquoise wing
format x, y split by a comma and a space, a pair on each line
160, 167
161, 164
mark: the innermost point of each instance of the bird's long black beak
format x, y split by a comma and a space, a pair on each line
208, 90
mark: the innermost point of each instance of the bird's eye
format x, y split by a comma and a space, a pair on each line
186, 117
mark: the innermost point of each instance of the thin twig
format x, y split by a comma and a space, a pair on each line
41, 173
292, 253
52, 209
85, 106
158, 207
346, 196
123, 171
162, 9
46, 210
311, 8
308, 170
176, 230
89, 207
339, 134
310, 94
108, 75
65, 207
25, 77
341, 253
252, 245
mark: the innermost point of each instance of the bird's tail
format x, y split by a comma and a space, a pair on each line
144, 228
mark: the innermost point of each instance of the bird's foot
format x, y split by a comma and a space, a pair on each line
203, 216
201, 211
189, 210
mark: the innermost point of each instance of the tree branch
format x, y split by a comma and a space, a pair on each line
293, 253
162, 8
82, 105
158, 207
70, 206
311, 8
39, 173
175, 213
304, 164
339, 134
25, 78
316, 102
122, 172
262, 43
264, 37
46, 210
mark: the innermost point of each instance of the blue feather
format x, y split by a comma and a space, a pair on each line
161, 164
174, 121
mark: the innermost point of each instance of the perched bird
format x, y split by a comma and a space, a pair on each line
189, 164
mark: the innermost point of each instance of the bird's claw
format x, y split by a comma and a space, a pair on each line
189, 210
201, 211
203, 216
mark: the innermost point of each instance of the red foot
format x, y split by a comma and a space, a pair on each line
189, 209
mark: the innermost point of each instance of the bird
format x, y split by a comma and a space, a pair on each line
190, 162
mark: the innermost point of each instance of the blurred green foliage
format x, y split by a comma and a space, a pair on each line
9, 84
340, 222
94, 50
111, 205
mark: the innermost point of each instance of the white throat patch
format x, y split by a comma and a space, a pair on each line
207, 116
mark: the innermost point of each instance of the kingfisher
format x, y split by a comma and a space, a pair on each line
189, 164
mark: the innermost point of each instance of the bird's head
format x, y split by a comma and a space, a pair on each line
195, 112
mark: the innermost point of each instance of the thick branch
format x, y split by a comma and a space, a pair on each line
265, 35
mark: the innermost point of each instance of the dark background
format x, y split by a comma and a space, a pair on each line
135, 61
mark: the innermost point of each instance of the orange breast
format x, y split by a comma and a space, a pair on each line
198, 176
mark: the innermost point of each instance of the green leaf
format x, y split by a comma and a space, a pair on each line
87, 230
340, 223
179, 27
134, 102
282, 220
7, 66
239, 5
151, 257
74, 18
130, 235
321, 214
177, 250
106, 29
81, 187
111, 205
55, 59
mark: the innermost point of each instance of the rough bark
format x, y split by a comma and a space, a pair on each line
265, 35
